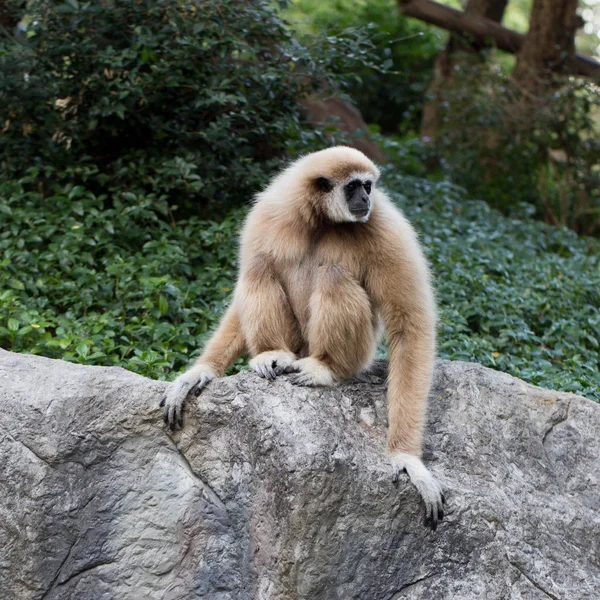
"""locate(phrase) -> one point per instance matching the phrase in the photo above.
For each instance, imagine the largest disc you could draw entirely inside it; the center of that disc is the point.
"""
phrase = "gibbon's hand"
(426, 485)
(272, 363)
(312, 372)
(194, 380)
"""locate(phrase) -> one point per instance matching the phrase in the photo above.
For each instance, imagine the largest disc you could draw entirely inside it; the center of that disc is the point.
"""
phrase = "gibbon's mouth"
(361, 212)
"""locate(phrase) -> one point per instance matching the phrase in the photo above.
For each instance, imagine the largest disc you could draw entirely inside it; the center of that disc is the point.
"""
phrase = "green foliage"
(112, 114)
(508, 147)
(192, 101)
(123, 286)
(514, 294)
(109, 286)
(391, 94)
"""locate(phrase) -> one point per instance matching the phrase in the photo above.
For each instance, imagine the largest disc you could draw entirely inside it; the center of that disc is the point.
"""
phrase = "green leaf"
(82, 350)
(16, 284)
(76, 192)
(163, 305)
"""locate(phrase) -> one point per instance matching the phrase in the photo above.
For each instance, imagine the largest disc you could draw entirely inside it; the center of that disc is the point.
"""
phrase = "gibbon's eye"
(353, 187)
(324, 184)
(367, 186)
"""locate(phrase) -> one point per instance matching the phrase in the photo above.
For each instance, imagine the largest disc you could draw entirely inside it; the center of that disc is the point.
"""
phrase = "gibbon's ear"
(323, 184)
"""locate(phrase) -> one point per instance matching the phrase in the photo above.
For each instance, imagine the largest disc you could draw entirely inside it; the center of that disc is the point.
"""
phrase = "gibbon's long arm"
(225, 345)
(400, 287)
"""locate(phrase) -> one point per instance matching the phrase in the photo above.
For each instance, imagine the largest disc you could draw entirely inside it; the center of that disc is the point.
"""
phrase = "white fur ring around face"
(172, 402)
(272, 363)
(426, 485)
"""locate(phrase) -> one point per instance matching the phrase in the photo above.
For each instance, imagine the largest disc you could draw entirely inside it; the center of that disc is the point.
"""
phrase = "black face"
(357, 196)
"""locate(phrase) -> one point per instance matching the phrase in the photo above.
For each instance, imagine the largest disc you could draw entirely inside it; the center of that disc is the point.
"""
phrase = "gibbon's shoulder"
(389, 217)
(392, 239)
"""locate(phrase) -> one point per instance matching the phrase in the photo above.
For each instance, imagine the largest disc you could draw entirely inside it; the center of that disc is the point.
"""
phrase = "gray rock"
(272, 491)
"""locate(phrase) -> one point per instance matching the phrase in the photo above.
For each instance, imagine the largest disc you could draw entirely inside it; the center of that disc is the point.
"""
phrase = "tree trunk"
(460, 51)
(550, 43)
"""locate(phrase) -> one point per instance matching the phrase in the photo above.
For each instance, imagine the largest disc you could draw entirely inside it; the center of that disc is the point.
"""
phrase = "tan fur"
(314, 285)
(317, 288)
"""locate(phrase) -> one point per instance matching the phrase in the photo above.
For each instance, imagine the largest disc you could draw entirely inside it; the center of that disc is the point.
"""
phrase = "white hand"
(195, 379)
(426, 485)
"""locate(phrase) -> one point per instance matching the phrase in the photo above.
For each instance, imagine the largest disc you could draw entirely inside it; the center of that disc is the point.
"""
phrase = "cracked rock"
(277, 492)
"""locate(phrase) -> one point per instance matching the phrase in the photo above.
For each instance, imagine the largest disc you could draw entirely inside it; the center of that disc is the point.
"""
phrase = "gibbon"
(324, 257)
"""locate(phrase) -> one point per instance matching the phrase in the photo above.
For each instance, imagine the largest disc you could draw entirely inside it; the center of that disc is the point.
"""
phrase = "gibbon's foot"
(311, 371)
(193, 380)
(426, 485)
(272, 363)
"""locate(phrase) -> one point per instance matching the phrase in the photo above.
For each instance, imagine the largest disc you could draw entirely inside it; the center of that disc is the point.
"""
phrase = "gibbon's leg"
(341, 330)
(267, 320)
(225, 345)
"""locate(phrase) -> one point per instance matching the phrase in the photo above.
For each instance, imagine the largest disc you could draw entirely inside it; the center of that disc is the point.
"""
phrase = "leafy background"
(122, 286)
(130, 146)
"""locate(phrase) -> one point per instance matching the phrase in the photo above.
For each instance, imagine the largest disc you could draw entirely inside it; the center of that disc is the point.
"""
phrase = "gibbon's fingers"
(197, 389)
(193, 380)
(426, 485)
(173, 413)
(266, 372)
(312, 371)
(301, 379)
(272, 363)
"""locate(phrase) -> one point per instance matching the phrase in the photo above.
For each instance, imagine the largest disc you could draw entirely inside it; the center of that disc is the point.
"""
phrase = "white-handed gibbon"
(324, 258)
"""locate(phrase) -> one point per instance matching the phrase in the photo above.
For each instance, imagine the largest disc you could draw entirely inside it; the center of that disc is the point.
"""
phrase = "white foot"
(272, 363)
(312, 372)
(426, 485)
(194, 379)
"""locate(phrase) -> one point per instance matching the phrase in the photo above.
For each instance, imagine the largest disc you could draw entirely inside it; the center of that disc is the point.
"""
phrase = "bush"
(109, 286)
(506, 147)
(390, 90)
(514, 294)
(122, 286)
(193, 101)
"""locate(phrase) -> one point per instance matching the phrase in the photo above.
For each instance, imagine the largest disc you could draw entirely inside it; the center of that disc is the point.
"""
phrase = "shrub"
(514, 294)
(109, 286)
(506, 147)
(389, 91)
(193, 101)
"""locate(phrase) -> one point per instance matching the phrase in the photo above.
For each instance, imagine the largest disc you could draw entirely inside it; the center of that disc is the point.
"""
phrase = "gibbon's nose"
(365, 198)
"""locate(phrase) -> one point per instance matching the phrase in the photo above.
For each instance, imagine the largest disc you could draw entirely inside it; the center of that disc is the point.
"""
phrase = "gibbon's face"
(348, 201)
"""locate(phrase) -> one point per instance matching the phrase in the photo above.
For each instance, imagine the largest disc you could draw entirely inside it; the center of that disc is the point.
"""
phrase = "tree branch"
(483, 29)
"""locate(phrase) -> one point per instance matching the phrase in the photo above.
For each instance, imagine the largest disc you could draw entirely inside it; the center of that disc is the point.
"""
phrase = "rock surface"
(276, 492)
(332, 112)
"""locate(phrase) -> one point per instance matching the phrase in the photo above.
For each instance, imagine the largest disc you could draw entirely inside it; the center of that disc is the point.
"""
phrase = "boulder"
(277, 492)
(332, 114)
